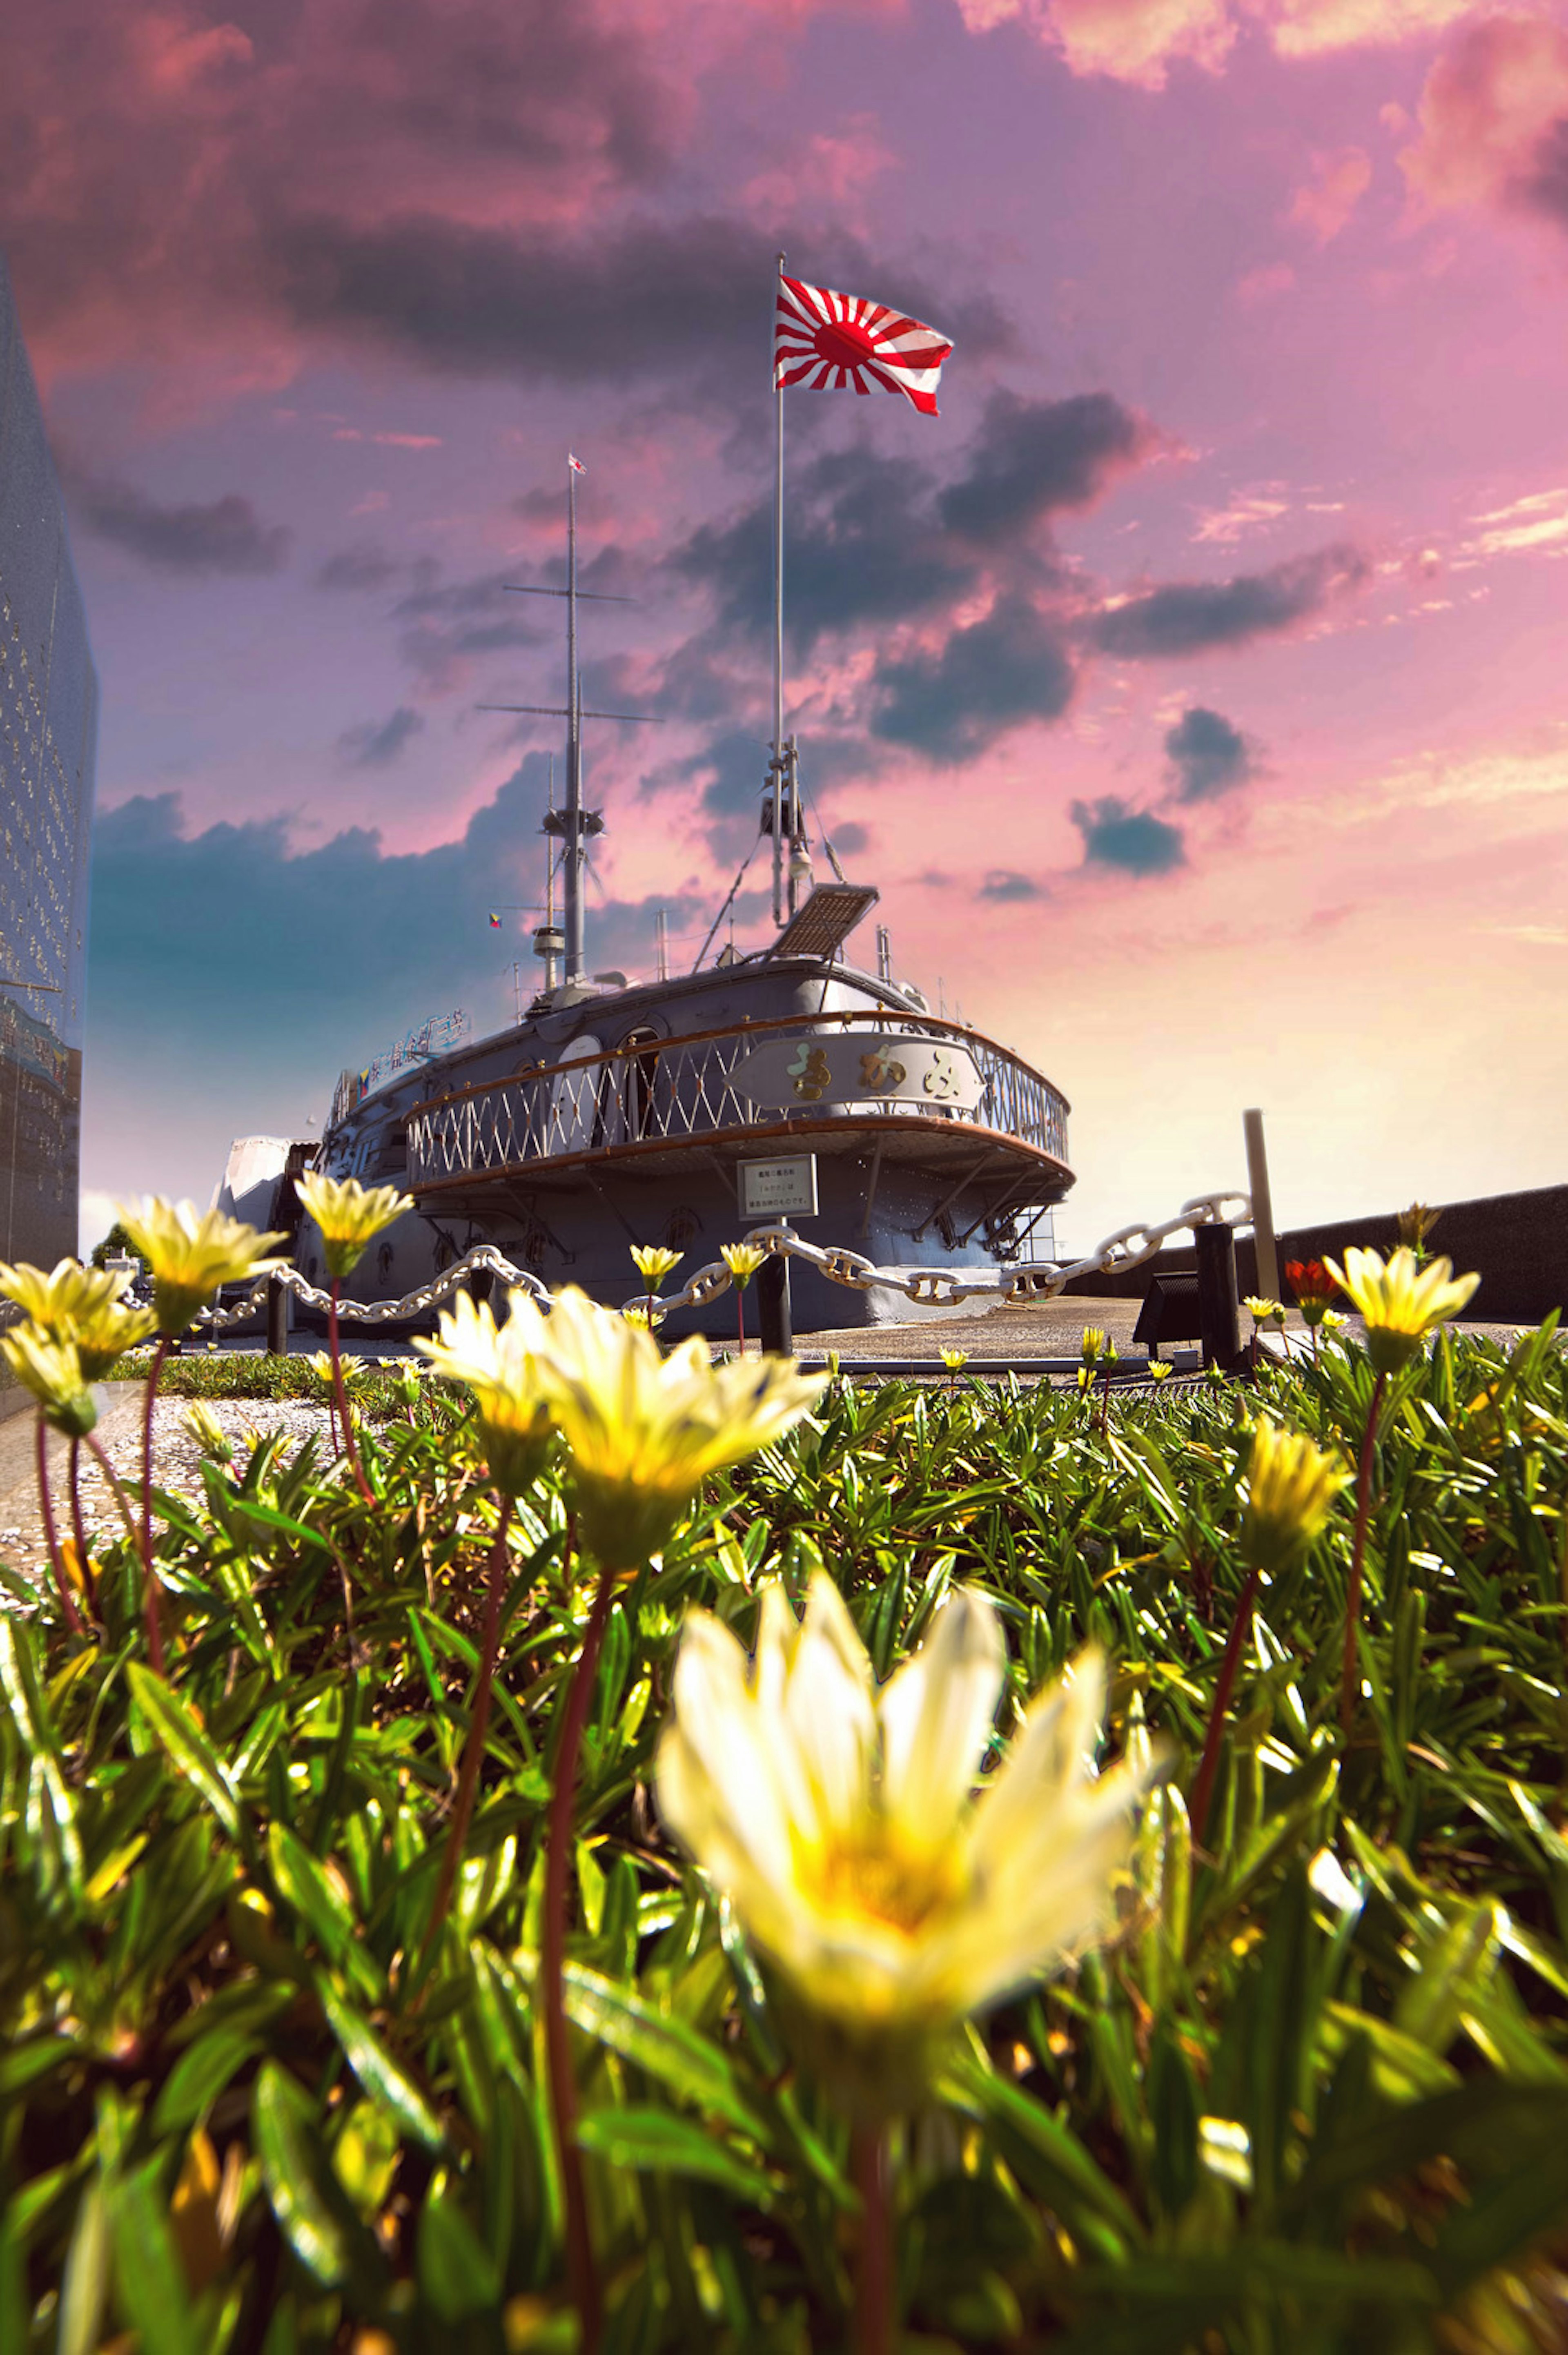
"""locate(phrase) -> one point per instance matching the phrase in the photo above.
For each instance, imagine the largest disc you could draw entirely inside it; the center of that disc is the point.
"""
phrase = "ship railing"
(673, 1089)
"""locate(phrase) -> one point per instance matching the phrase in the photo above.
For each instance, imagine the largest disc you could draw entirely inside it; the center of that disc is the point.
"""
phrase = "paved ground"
(1040, 1328)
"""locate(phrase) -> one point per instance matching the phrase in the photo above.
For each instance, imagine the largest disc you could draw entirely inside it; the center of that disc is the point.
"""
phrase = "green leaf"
(660, 2140)
(665, 2047)
(1042, 2151)
(84, 2286)
(377, 2070)
(187, 1746)
(149, 2281)
(27, 2063)
(297, 2178)
(457, 2275)
(253, 1509)
(200, 2076)
(308, 1891)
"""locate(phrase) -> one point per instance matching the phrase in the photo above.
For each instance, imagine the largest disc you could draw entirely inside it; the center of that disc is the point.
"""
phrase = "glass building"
(48, 728)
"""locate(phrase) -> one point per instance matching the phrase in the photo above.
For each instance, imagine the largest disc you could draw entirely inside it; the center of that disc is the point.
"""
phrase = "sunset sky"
(1195, 686)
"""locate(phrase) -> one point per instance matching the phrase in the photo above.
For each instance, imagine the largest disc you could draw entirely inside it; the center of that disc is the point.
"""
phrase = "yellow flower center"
(881, 1877)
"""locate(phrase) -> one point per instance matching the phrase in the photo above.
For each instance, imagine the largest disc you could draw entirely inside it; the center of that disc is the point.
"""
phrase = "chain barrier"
(927, 1287)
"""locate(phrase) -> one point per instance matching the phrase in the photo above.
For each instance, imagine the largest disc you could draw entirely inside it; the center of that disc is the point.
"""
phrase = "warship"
(684, 1110)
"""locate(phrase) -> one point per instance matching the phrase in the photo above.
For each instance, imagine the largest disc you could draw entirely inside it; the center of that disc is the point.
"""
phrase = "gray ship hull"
(619, 1115)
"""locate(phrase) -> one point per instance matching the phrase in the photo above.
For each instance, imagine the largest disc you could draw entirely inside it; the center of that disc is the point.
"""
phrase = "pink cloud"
(1323, 204)
(175, 190)
(1130, 40)
(1270, 279)
(1306, 28)
(1494, 120)
(832, 171)
(1136, 40)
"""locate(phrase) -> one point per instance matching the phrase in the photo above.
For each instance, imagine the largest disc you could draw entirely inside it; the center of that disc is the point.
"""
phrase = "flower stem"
(874, 2272)
(340, 1394)
(582, 2279)
(1358, 1554)
(118, 1485)
(46, 1508)
(149, 1570)
(78, 1531)
(478, 1724)
(1203, 1789)
(741, 1315)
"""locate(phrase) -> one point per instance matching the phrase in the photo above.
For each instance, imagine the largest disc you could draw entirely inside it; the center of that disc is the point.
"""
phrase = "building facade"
(49, 729)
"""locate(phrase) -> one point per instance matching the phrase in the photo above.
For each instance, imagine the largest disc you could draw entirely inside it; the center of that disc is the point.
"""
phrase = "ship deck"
(958, 1107)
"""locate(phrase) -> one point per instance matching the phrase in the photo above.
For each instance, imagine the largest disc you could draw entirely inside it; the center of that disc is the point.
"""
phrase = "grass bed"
(1314, 2097)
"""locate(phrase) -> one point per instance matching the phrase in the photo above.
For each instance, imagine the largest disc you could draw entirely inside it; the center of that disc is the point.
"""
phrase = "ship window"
(683, 1229)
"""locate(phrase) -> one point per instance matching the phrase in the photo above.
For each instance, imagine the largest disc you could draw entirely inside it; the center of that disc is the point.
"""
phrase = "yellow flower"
(1096, 1345)
(742, 1260)
(1264, 1311)
(1333, 1320)
(643, 1429)
(838, 1817)
(52, 1371)
(654, 1262)
(1401, 1302)
(207, 1433)
(189, 1256)
(348, 1216)
(105, 1334)
(56, 1301)
(80, 1305)
(1415, 1224)
(502, 1369)
(636, 1313)
(1159, 1369)
(1291, 1486)
(953, 1359)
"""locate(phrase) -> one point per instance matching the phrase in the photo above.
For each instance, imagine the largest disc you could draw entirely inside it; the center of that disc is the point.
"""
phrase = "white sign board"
(779, 1189)
(829, 1068)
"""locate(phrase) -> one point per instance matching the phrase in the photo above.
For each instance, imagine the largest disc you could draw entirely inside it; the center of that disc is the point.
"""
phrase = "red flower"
(1309, 1280)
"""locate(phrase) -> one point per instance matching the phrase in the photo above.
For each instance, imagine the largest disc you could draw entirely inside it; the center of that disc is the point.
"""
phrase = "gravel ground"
(176, 1460)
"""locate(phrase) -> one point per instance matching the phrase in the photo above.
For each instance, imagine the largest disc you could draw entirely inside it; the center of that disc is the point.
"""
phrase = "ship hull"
(625, 1117)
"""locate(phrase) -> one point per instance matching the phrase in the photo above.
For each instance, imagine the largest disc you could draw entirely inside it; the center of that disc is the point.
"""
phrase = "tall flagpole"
(778, 626)
(573, 895)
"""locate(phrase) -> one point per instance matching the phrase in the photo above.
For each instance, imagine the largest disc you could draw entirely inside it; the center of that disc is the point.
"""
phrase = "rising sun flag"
(828, 342)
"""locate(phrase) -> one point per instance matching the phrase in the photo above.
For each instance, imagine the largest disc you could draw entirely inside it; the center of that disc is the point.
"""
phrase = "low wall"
(1517, 1243)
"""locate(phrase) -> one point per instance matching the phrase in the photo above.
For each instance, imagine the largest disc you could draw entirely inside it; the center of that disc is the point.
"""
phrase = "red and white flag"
(575, 463)
(828, 341)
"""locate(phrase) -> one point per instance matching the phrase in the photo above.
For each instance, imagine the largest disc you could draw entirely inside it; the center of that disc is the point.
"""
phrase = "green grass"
(1313, 2097)
(378, 1391)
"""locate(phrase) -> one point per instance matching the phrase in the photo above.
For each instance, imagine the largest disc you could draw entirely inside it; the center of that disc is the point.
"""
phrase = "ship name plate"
(826, 1069)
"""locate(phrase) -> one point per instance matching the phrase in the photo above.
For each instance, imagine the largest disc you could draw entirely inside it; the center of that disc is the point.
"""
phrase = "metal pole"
(775, 1329)
(1262, 1208)
(573, 746)
(1218, 1309)
(278, 1298)
(778, 636)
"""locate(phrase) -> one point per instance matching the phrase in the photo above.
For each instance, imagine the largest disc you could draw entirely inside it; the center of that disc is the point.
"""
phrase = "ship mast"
(576, 855)
(572, 825)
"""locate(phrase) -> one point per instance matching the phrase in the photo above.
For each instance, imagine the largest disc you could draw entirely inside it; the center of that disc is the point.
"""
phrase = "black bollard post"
(774, 1327)
(1218, 1309)
(277, 1317)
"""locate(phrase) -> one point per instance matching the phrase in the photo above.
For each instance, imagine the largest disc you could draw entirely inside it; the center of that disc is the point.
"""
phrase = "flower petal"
(827, 1709)
(936, 1714)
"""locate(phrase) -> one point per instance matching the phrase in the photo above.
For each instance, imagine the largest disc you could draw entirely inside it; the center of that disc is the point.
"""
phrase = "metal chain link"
(928, 1287)
(485, 1259)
